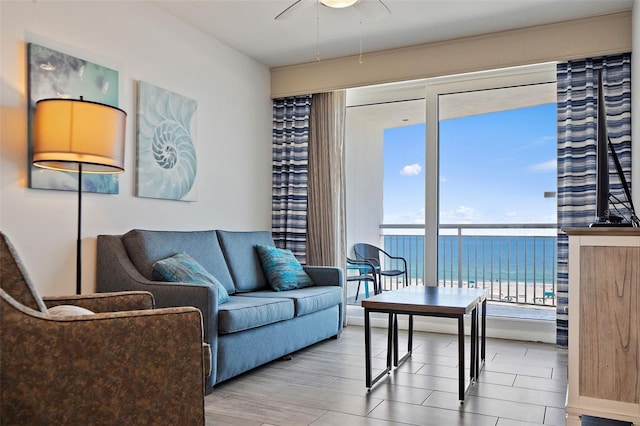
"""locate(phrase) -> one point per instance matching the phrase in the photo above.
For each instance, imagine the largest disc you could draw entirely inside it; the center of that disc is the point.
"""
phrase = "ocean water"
(477, 259)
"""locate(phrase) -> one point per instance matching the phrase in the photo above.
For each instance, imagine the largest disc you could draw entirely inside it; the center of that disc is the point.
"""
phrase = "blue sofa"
(257, 325)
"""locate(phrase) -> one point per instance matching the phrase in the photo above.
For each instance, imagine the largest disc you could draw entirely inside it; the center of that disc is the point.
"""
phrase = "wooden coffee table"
(428, 301)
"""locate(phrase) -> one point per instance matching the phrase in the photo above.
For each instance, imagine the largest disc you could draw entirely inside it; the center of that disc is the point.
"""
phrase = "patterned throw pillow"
(283, 270)
(182, 268)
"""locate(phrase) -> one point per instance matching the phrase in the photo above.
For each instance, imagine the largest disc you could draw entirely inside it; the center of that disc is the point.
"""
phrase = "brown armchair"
(126, 364)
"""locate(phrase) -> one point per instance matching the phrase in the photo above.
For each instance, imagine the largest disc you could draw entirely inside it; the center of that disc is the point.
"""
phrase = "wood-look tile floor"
(522, 384)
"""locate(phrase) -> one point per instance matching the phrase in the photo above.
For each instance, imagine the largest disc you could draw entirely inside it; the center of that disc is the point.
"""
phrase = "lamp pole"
(79, 241)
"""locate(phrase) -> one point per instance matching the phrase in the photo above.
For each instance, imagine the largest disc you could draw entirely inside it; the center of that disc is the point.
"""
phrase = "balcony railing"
(515, 262)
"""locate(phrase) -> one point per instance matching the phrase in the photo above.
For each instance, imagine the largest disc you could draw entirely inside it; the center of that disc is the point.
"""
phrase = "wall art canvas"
(167, 163)
(54, 74)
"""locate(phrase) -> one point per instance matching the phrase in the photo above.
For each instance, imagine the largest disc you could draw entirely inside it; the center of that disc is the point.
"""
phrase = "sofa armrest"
(129, 367)
(325, 275)
(208, 360)
(116, 273)
(106, 302)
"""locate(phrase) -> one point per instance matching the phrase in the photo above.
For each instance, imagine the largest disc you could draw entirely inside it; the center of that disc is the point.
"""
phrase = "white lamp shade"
(70, 132)
(339, 3)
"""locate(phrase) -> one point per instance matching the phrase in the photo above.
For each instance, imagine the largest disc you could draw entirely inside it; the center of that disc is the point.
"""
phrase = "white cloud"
(511, 214)
(415, 217)
(461, 214)
(443, 179)
(547, 139)
(411, 170)
(543, 140)
(547, 166)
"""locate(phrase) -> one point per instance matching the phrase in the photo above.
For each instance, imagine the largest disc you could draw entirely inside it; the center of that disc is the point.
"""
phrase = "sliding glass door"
(497, 185)
(493, 163)
(430, 159)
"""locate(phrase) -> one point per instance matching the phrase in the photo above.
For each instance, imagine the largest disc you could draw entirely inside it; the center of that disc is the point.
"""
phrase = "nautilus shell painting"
(167, 163)
(53, 74)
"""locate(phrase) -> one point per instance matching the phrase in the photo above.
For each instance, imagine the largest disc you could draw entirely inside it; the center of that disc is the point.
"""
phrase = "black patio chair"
(366, 272)
(377, 257)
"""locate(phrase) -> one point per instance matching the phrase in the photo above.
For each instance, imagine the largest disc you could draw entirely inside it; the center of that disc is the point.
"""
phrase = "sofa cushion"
(306, 300)
(282, 269)
(244, 265)
(182, 268)
(144, 248)
(243, 313)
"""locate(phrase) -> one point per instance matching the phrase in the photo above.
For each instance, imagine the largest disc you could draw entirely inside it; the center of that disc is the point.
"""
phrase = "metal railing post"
(459, 257)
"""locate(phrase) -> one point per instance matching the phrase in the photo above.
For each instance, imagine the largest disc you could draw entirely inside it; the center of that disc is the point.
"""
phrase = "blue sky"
(494, 168)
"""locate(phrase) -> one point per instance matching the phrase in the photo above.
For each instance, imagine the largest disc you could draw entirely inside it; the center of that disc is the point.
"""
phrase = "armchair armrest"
(325, 275)
(395, 257)
(106, 302)
(135, 367)
(362, 266)
(401, 259)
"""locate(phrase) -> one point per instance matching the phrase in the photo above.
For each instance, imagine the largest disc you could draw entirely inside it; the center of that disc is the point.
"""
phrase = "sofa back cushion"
(147, 247)
(242, 258)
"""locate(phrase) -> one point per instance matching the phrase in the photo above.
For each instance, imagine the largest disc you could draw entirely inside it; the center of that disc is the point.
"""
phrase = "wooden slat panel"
(609, 329)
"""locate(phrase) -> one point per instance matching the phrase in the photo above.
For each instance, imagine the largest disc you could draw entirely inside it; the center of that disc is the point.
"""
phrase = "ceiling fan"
(372, 9)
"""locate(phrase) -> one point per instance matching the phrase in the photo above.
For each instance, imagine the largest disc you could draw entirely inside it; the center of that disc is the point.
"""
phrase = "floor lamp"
(79, 136)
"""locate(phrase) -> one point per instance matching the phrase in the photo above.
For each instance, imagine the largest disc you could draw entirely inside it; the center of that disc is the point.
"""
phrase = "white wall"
(363, 178)
(371, 110)
(142, 43)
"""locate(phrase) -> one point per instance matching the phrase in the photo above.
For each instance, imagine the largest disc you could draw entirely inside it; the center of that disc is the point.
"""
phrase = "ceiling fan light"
(338, 3)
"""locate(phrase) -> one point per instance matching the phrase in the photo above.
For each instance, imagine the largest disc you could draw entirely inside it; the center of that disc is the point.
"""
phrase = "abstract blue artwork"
(54, 74)
(167, 161)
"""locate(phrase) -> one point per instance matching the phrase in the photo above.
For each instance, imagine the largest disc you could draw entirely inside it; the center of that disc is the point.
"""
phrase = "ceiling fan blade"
(293, 10)
(373, 9)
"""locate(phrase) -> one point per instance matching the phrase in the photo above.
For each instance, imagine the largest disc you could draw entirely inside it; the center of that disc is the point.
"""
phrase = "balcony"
(515, 262)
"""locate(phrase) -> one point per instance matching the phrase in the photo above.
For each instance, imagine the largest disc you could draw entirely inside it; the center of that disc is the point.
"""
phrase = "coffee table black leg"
(484, 331)
(395, 339)
(396, 357)
(461, 357)
(392, 330)
(367, 348)
(474, 345)
(369, 380)
(397, 361)
(410, 338)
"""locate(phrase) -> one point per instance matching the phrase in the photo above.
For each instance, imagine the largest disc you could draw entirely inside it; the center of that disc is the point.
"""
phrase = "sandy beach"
(515, 292)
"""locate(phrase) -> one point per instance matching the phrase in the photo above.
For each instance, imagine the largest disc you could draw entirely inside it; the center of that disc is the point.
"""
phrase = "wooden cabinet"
(604, 324)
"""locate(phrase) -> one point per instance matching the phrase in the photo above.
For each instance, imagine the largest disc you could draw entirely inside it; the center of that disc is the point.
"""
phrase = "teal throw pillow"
(283, 270)
(182, 268)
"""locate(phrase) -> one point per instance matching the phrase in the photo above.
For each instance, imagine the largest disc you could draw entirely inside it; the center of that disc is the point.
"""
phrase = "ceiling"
(319, 32)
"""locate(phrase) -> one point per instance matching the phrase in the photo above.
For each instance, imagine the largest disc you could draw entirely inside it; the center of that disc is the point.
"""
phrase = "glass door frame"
(519, 76)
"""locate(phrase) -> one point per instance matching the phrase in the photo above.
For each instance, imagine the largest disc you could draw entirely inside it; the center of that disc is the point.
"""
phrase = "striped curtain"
(289, 173)
(577, 135)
